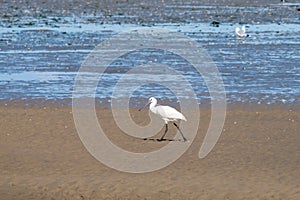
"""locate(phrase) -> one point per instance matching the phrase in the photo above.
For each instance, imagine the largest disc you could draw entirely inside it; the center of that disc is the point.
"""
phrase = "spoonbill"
(167, 113)
(241, 32)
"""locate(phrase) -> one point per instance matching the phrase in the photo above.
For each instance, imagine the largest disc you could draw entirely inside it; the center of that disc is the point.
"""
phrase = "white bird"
(167, 113)
(241, 32)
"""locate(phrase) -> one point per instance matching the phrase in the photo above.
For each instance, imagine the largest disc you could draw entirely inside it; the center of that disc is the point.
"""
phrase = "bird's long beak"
(145, 105)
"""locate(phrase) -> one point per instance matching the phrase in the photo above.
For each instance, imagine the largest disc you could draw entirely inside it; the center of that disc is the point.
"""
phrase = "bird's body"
(241, 32)
(167, 113)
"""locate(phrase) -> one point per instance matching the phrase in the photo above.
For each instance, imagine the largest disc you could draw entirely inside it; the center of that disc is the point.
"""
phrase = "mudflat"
(256, 157)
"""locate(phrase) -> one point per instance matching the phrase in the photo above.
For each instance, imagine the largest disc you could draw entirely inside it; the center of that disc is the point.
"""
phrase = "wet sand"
(32, 13)
(256, 157)
(42, 156)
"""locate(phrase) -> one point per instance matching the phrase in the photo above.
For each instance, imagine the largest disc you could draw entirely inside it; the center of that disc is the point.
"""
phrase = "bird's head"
(150, 100)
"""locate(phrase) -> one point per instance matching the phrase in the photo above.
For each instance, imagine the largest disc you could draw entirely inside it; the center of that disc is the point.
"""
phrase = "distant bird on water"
(167, 113)
(241, 32)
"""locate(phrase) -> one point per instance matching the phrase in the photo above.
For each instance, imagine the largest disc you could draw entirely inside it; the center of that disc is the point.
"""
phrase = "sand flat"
(256, 157)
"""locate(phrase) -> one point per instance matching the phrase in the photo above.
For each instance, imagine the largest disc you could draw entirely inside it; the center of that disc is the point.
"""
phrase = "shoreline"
(105, 104)
(257, 155)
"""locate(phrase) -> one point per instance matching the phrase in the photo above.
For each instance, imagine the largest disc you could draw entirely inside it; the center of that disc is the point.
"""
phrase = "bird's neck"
(152, 105)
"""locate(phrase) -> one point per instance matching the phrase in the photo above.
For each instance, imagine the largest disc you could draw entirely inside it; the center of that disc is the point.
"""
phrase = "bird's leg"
(184, 139)
(166, 130)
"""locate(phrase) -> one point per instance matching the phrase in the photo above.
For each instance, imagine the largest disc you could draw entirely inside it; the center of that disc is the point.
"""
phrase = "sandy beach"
(256, 157)
(43, 45)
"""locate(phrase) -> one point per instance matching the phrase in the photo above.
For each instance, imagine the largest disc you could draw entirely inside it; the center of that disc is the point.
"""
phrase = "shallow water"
(41, 62)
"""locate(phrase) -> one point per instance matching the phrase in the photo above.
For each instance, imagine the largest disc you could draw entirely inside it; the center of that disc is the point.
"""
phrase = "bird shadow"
(162, 140)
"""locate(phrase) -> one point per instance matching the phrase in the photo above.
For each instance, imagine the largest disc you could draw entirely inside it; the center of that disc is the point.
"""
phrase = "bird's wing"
(244, 29)
(169, 112)
(237, 30)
